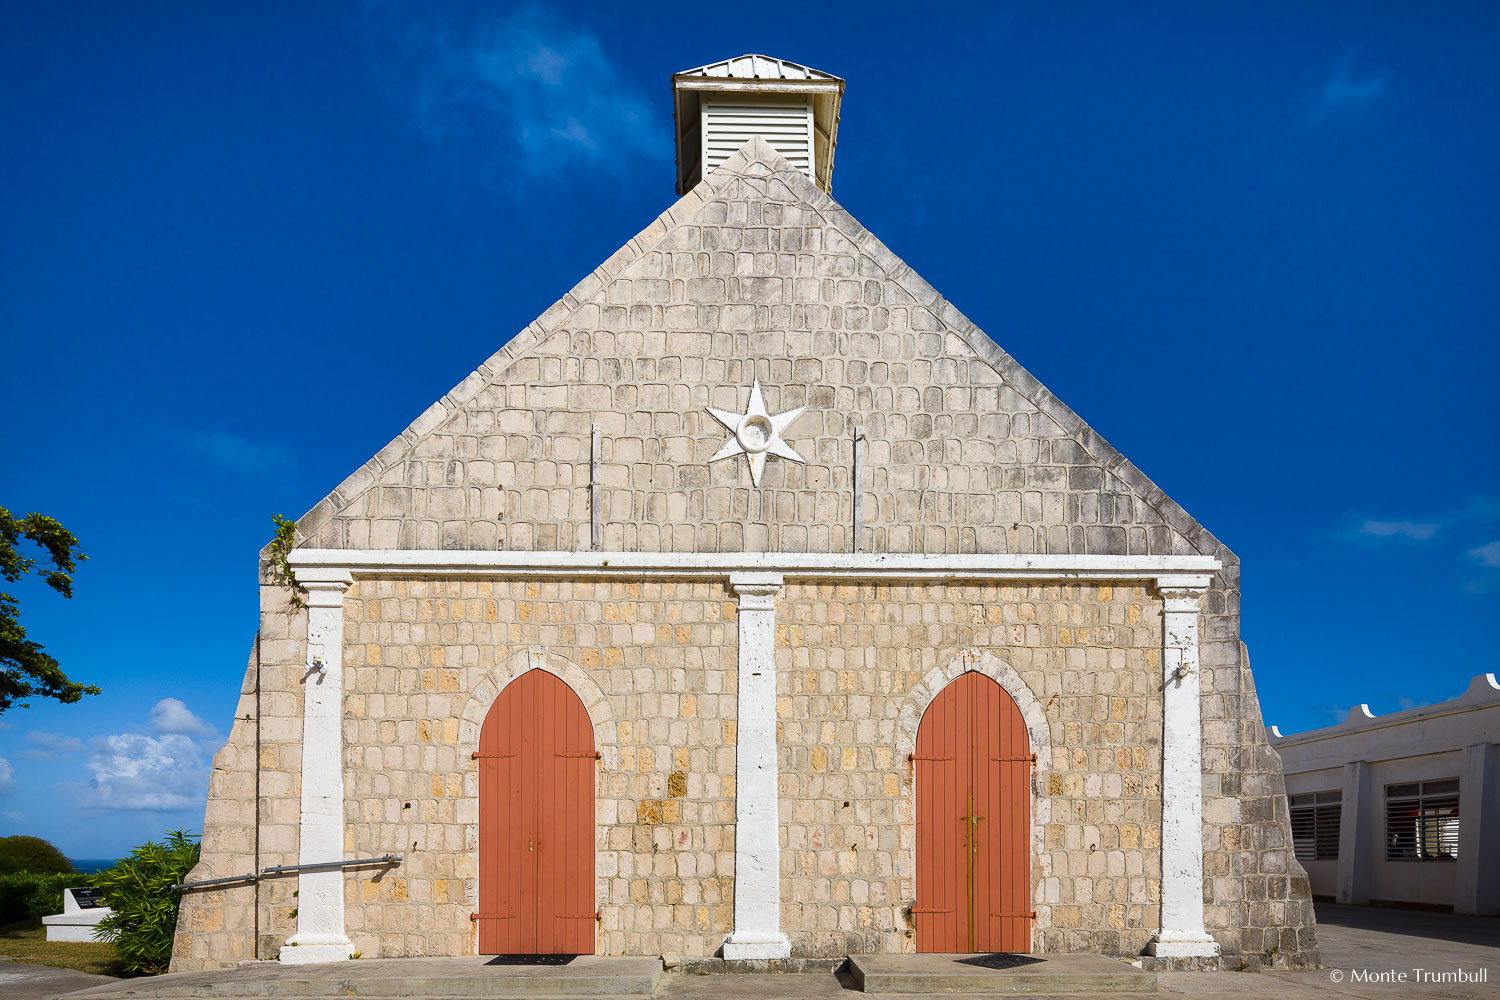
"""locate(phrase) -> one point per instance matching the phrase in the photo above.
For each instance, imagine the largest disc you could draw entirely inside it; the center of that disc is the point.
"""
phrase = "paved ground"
(1359, 942)
(1369, 954)
(39, 982)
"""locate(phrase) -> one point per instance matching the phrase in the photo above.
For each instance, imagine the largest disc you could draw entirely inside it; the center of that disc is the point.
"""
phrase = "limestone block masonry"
(468, 540)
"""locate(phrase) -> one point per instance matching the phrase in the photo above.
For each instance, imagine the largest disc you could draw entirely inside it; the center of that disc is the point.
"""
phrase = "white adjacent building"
(1401, 808)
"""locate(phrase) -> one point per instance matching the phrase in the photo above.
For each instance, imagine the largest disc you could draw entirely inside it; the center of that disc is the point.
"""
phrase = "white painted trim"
(1182, 934)
(757, 822)
(320, 933)
(1180, 571)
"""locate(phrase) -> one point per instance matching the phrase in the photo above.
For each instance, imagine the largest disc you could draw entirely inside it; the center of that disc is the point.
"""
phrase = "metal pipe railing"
(384, 859)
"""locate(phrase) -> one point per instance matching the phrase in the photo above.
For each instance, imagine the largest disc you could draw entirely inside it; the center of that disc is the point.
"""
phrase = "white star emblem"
(756, 433)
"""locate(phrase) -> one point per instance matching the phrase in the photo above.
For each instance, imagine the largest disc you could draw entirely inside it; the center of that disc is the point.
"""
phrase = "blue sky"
(1256, 246)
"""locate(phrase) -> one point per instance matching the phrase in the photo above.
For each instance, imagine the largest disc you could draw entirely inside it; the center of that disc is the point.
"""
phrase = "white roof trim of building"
(1178, 571)
(1483, 692)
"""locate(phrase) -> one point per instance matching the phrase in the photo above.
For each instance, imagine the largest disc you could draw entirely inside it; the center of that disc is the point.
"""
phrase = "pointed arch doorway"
(536, 821)
(973, 787)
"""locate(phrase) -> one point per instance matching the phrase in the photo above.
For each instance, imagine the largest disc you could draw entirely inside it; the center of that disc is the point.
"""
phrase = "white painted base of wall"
(1184, 946)
(757, 946)
(314, 954)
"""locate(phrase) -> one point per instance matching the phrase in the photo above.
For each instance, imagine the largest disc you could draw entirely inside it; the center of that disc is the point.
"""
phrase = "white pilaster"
(757, 839)
(1181, 934)
(320, 894)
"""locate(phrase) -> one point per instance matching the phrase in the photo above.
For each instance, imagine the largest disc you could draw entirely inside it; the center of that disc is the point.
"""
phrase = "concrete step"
(1030, 975)
(584, 976)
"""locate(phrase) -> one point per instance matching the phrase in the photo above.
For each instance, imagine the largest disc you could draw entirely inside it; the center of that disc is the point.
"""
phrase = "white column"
(1181, 934)
(320, 894)
(757, 834)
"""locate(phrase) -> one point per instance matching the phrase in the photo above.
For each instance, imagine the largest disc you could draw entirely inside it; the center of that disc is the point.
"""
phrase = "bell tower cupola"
(718, 107)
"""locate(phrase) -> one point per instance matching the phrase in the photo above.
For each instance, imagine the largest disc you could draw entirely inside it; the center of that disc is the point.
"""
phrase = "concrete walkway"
(1366, 953)
(19, 981)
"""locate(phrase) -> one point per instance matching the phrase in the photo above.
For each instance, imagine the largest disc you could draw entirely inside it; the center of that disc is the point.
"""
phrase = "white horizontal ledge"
(1176, 571)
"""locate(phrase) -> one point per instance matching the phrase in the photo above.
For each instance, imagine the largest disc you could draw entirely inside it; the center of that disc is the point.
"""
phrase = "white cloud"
(50, 746)
(138, 772)
(1346, 94)
(12, 816)
(1487, 555)
(7, 777)
(522, 90)
(171, 716)
(1415, 530)
(235, 453)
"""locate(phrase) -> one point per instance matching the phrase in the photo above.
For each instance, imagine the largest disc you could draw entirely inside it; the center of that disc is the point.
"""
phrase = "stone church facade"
(755, 637)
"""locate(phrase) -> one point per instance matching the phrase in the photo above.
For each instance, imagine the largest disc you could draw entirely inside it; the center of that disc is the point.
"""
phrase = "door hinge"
(1029, 758)
(596, 916)
(1029, 916)
(485, 754)
(923, 756)
(595, 754)
(492, 916)
(916, 909)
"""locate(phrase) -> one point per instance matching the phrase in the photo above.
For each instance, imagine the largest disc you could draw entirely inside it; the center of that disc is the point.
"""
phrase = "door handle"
(531, 845)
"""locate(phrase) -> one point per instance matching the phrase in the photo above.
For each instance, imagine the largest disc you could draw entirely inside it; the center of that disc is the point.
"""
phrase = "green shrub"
(31, 854)
(24, 895)
(139, 891)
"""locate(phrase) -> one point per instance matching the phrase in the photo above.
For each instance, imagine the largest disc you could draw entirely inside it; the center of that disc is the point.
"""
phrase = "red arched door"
(973, 774)
(536, 821)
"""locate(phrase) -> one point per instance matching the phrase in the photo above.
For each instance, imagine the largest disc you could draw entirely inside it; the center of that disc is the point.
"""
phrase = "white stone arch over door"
(1038, 732)
(471, 722)
(595, 701)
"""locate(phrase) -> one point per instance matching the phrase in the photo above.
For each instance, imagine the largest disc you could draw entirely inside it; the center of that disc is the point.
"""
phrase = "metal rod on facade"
(596, 517)
(854, 486)
(385, 859)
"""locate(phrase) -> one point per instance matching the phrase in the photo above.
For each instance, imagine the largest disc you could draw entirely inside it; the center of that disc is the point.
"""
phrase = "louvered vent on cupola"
(719, 107)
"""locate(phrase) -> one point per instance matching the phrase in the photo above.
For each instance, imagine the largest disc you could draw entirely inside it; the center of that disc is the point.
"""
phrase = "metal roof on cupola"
(718, 107)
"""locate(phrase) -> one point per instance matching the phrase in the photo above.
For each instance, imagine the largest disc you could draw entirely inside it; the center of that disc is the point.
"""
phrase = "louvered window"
(1421, 821)
(1315, 825)
(786, 125)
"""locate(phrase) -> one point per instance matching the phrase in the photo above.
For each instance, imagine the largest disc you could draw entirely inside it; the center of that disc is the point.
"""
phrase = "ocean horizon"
(88, 866)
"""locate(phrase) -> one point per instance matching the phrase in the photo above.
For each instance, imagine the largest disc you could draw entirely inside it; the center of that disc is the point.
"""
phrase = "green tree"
(31, 854)
(25, 667)
(139, 892)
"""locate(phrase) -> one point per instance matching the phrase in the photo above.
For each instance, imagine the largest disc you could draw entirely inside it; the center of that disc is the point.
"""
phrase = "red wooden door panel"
(973, 821)
(536, 821)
